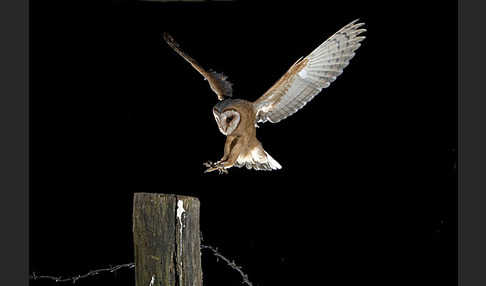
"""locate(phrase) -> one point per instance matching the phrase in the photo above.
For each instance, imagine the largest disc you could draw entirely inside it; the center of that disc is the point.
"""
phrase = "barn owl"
(237, 119)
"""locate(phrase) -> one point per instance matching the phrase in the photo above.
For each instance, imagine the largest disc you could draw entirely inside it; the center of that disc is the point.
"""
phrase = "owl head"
(227, 116)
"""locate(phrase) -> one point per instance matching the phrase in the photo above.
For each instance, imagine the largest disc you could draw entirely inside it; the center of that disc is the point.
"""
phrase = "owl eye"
(228, 120)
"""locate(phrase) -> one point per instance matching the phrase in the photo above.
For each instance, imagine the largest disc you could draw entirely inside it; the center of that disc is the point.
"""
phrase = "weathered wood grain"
(167, 240)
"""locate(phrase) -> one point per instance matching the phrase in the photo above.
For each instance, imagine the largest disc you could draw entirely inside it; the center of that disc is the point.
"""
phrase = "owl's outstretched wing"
(309, 75)
(217, 81)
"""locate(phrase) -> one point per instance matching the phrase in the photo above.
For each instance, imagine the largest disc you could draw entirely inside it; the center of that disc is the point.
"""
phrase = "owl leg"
(222, 166)
(228, 148)
(228, 160)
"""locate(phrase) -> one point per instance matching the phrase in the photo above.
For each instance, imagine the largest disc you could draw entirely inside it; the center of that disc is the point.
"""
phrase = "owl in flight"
(238, 118)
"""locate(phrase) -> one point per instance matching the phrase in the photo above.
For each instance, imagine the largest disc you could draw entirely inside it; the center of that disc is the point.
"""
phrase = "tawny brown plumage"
(238, 118)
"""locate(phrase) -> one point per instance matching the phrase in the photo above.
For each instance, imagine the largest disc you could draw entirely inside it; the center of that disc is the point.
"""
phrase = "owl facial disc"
(227, 121)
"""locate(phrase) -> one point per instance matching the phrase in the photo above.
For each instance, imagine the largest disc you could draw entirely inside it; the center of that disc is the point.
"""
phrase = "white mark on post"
(152, 281)
(180, 212)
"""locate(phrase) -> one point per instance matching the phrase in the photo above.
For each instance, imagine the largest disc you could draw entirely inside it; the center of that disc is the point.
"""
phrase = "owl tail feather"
(274, 165)
(258, 159)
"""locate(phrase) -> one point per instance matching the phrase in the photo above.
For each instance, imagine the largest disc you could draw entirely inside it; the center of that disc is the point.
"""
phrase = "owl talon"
(222, 170)
(215, 167)
(209, 164)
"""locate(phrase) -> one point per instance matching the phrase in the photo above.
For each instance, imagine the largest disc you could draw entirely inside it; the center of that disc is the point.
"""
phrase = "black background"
(368, 188)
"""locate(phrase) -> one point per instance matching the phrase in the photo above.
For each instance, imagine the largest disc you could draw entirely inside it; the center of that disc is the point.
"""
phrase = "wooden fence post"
(166, 239)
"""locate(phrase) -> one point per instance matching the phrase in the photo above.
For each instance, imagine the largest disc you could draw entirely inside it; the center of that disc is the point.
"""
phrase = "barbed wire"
(34, 276)
(74, 279)
(231, 264)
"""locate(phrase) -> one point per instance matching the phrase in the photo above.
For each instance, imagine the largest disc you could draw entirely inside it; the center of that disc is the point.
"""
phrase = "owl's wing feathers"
(309, 75)
(217, 81)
